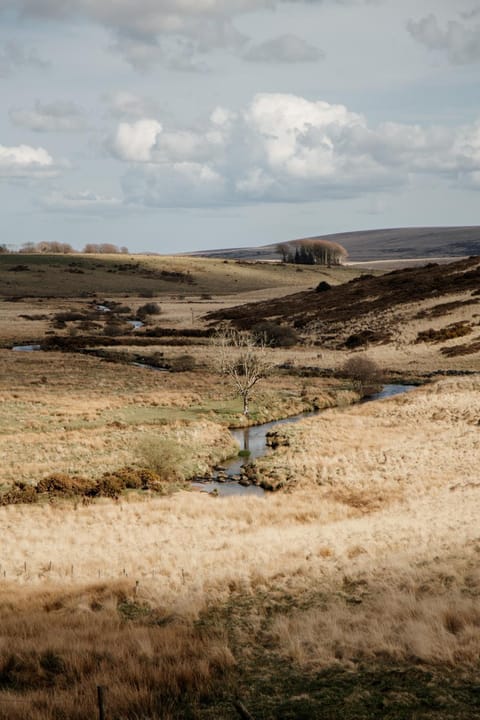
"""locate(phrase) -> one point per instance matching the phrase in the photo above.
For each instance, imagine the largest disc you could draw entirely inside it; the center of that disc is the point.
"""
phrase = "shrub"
(114, 329)
(276, 335)
(151, 308)
(449, 332)
(136, 478)
(157, 359)
(164, 456)
(19, 494)
(69, 316)
(364, 337)
(63, 484)
(109, 485)
(323, 286)
(364, 373)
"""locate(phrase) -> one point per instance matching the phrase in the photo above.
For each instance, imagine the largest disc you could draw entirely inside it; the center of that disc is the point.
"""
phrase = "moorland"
(352, 591)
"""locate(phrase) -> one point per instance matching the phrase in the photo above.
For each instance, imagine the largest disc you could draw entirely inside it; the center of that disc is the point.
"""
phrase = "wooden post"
(101, 702)
(242, 710)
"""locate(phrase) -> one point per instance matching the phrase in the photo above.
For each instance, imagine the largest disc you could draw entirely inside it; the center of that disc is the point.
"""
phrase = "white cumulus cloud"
(286, 148)
(135, 141)
(24, 161)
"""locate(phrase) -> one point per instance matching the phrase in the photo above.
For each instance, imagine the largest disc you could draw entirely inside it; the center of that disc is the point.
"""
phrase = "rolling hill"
(387, 244)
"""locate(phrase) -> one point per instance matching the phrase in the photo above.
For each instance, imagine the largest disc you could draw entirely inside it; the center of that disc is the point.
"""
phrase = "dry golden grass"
(80, 415)
(57, 647)
(380, 452)
(377, 564)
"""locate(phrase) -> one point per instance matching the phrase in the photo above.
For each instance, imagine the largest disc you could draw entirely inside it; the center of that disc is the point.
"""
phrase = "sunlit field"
(368, 558)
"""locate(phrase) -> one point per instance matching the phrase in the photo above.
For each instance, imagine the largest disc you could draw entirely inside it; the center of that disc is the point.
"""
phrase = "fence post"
(101, 702)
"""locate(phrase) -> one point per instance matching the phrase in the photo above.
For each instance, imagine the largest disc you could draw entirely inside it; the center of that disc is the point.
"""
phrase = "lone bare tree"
(243, 359)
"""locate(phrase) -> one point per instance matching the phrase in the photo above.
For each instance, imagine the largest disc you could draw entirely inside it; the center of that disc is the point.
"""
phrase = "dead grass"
(375, 454)
(58, 647)
(306, 580)
(80, 415)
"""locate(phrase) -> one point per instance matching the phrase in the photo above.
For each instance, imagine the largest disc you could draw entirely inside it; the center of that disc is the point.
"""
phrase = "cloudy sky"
(174, 125)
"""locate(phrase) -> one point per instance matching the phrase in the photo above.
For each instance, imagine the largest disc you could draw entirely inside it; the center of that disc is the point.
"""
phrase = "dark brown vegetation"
(465, 349)
(334, 314)
(275, 335)
(454, 330)
(110, 484)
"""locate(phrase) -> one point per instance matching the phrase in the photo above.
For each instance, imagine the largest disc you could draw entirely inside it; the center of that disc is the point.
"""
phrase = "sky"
(178, 125)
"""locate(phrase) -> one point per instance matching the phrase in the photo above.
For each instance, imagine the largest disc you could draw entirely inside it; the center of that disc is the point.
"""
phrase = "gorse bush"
(63, 484)
(449, 332)
(110, 484)
(19, 494)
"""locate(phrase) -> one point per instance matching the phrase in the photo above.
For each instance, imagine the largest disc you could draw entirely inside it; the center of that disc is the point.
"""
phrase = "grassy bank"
(82, 416)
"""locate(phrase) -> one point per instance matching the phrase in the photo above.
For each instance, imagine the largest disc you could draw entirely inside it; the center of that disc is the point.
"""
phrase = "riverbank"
(83, 416)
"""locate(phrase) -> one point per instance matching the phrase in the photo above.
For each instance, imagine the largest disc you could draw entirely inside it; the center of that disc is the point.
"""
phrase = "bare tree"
(243, 359)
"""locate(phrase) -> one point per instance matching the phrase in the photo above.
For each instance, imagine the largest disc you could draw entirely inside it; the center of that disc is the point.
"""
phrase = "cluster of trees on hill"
(53, 247)
(312, 252)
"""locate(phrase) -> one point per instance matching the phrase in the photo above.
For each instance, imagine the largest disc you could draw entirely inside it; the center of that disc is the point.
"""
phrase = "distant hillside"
(388, 244)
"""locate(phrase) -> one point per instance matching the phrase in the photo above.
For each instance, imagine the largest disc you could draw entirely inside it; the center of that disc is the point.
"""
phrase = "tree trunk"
(246, 409)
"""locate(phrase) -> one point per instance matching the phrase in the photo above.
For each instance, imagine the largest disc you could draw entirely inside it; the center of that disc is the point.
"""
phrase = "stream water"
(26, 348)
(253, 440)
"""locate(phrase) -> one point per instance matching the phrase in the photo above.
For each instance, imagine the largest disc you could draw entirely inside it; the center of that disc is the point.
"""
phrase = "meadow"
(350, 592)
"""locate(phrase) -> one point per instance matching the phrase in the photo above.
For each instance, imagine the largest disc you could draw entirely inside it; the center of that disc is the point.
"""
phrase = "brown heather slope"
(374, 309)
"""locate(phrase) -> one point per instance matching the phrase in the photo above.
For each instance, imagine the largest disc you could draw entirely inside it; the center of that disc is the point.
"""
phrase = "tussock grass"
(375, 454)
(58, 647)
(370, 556)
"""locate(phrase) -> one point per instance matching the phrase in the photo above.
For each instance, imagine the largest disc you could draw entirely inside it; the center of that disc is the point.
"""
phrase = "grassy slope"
(76, 275)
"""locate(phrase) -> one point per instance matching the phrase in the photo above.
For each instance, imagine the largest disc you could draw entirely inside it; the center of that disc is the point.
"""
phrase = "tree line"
(312, 252)
(60, 248)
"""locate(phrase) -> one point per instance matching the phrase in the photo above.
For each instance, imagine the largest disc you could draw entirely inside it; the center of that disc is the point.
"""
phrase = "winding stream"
(253, 439)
